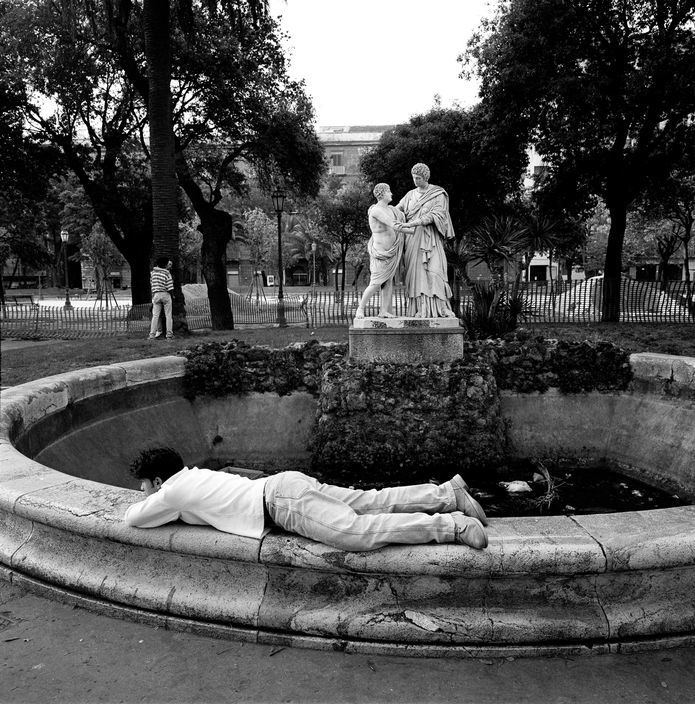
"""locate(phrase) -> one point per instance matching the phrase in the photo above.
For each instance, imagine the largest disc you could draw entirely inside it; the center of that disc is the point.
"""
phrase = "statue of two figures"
(415, 231)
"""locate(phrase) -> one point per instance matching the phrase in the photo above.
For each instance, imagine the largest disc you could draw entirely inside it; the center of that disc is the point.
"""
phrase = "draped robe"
(427, 288)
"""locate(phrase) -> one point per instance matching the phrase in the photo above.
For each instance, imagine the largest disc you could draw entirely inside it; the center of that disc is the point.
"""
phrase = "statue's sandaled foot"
(450, 314)
(359, 313)
(386, 315)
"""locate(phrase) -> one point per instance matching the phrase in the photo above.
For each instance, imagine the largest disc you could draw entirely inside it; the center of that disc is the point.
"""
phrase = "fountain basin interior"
(568, 584)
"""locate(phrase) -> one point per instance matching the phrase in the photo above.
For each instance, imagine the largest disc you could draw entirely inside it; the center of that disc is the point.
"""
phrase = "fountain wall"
(565, 584)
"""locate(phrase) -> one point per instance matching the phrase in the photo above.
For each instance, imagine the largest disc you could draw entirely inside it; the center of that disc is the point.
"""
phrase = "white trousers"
(161, 299)
(356, 520)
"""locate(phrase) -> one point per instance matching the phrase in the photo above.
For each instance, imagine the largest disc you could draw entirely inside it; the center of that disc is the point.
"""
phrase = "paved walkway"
(53, 653)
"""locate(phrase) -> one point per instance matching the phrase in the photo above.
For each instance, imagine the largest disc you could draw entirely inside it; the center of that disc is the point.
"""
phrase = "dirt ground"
(53, 653)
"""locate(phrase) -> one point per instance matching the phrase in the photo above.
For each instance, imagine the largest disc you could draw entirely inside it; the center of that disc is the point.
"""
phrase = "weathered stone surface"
(553, 545)
(164, 581)
(670, 375)
(406, 344)
(639, 540)
(115, 438)
(94, 381)
(640, 431)
(612, 581)
(648, 602)
(388, 423)
(15, 466)
(376, 323)
(455, 609)
(256, 428)
(24, 405)
(13, 491)
(143, 371)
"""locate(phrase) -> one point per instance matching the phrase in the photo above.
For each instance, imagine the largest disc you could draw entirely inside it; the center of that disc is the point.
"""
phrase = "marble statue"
(427, 225)
(385, 249)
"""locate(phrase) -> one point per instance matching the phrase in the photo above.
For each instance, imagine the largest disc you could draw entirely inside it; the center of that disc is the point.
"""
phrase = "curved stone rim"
(36, 500)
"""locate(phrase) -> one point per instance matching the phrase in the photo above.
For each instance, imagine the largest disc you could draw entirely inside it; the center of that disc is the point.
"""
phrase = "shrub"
(524, 363)
(234, 367)
(494, 310)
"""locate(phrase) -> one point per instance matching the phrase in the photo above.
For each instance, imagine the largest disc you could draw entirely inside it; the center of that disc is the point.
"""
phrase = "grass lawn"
(56, 356)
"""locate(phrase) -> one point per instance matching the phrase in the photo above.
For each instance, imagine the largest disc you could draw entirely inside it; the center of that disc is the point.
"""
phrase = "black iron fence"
(580, 302)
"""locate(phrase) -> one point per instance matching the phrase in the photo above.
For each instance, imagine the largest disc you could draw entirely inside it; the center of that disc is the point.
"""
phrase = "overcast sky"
(374, 62)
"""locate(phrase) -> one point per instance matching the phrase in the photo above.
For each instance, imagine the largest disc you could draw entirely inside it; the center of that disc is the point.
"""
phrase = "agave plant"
(494, 309)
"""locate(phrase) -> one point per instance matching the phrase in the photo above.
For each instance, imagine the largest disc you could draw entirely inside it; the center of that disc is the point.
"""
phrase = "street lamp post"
(313, 275)
(278, 196)
(65, 236)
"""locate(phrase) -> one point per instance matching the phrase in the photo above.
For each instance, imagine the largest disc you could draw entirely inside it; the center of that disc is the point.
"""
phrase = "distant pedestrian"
(162, 285)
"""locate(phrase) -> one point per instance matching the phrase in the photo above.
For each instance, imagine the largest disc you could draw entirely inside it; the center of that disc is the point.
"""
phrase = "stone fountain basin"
(563, 584)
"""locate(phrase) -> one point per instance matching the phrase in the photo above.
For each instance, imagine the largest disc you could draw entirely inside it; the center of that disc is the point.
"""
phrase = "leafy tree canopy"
(343, 217)
(79, 73)
(599, 86)
(595, 84)
(468, 156)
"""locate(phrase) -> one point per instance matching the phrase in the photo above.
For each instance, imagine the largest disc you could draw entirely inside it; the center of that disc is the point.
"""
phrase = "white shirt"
(228, 502)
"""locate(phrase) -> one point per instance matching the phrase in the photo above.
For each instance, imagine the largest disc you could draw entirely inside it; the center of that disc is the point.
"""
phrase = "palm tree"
(496, 241)
(165, 224)
(304, 242)
(542, 234)
(156, 22)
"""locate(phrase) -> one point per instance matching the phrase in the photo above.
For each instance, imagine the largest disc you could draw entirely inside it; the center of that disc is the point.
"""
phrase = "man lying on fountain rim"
(346, 519)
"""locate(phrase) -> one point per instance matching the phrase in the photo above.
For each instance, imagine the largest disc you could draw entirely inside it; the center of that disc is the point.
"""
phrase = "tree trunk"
(216, 228)
(16, 265)
(139, 279)
(663, 273)
(685, 239)
(165, 229)
(614, 259)
(358, 271)
(550, 275)
(343, 257)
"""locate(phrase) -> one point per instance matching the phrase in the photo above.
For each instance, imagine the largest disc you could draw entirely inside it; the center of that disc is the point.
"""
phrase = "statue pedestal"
(410, 340)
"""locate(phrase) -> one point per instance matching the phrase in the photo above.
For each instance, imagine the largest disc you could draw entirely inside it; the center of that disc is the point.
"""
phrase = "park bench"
(20, 299)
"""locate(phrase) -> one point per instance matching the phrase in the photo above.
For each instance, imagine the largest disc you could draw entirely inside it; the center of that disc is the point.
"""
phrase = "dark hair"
(162, 462)
(162, 262)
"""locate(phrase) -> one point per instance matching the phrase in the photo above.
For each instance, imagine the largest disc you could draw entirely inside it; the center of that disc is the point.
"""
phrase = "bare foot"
(359, 313)
(386, 315)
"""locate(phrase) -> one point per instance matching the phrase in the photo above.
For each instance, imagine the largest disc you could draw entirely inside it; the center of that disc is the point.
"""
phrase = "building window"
(337, 166)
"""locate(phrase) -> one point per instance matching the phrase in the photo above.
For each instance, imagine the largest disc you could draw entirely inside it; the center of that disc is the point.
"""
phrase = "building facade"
(345, 146)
